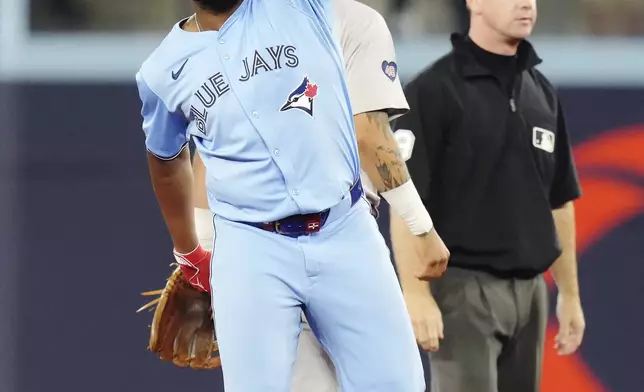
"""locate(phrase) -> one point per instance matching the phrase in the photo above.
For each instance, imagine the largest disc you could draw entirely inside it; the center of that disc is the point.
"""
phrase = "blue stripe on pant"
(344, 279)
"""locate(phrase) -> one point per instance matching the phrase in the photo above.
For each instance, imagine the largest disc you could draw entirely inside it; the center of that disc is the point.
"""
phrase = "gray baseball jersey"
(370, 65)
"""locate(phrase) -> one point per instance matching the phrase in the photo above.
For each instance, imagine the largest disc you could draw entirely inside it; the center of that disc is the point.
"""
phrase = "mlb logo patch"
(543, 139)
(390, 69)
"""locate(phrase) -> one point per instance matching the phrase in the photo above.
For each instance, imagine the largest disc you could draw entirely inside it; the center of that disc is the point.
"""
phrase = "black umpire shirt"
(491, 158)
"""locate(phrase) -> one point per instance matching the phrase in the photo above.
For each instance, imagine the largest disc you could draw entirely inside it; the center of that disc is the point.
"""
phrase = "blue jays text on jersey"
(215, 86)
(234, 94)
(276, 53)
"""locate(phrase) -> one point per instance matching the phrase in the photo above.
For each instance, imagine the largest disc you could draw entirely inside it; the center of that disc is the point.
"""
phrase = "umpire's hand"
(572, 324)
(433, 256)
(426, 319)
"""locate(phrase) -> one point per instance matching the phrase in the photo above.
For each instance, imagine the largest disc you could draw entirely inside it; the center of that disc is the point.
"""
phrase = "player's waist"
(306, 224)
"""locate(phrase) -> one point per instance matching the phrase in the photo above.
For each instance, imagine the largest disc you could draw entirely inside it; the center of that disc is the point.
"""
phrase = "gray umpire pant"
(494, 332)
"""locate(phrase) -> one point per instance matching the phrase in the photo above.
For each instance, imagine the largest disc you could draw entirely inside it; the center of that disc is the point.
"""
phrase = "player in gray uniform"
(376, 97)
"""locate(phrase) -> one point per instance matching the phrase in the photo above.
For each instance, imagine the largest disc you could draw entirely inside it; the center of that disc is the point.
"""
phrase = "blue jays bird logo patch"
(302, 98)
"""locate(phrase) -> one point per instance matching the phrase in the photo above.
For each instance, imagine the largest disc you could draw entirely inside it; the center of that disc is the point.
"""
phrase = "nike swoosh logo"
(175, 75)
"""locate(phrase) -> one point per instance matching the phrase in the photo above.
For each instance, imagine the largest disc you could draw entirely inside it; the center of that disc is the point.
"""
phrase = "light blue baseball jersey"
(266, 103)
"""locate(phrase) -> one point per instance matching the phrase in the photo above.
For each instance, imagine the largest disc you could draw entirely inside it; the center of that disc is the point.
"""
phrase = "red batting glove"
(196, 268)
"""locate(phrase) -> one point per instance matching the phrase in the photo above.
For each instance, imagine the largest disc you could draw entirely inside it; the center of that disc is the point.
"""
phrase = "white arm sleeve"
(205, 228)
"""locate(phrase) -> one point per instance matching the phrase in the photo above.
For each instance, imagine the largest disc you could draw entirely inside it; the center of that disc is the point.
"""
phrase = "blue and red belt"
(305, 224)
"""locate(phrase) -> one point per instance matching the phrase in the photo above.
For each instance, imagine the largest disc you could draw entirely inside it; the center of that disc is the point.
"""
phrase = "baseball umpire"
(492, 161)
(259, 86)
(377, 97)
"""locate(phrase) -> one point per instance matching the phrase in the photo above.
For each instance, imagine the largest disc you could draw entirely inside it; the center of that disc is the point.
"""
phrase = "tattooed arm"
(381, 159)
(379, 154)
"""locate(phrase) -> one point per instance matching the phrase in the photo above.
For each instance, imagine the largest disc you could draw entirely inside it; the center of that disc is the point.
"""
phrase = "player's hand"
(571, 324)
(196, 267)
(426, 318)
(433, 256)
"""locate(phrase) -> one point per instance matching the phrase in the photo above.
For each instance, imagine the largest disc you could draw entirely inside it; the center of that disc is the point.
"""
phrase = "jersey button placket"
(222, 49)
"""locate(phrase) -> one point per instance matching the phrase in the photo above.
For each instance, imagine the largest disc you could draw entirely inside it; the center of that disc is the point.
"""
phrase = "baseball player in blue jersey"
(259, 85)
(376, 97)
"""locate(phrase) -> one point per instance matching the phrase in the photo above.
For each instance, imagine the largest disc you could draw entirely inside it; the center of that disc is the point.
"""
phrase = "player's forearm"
(379, 152)
(380, 158)
(407, 262)
(564, 270)
(172, 182)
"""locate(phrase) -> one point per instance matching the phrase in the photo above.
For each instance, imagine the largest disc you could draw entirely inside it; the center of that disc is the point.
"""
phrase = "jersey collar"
(209, 33)
(471, 67)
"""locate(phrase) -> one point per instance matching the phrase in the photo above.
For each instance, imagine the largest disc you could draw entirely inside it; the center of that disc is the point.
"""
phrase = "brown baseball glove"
(182, 329)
